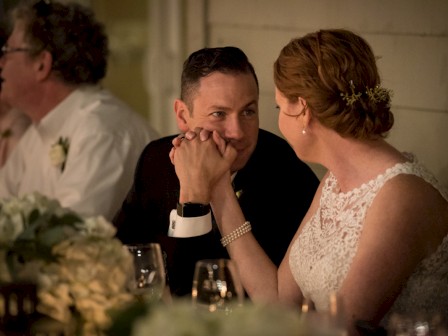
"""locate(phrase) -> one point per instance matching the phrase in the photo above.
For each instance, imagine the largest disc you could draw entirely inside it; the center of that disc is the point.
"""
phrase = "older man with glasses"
(84, 143)
(13, 123)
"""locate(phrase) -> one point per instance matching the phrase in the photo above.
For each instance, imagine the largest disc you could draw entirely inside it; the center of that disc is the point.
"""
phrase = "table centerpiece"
(181, 318)
(79, 268)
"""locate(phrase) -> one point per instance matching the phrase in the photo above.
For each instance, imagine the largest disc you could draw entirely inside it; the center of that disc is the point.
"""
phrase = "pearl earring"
(303, 131)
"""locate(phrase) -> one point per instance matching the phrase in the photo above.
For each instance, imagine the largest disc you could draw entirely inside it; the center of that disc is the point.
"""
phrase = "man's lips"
(239, 149)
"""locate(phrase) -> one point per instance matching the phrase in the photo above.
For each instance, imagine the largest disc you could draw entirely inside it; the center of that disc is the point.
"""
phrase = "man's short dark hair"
(201, 63)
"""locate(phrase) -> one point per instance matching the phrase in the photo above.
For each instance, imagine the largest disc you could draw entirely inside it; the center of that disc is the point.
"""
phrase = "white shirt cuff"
(186, 227)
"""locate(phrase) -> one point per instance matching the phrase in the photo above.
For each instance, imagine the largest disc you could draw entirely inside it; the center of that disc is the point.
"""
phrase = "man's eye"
(249, 113)
(218, 114)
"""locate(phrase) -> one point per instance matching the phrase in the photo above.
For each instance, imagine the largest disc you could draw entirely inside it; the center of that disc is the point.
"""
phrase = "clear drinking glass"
(148, 279)
(328, 322)
(217, 286)
(418, 324)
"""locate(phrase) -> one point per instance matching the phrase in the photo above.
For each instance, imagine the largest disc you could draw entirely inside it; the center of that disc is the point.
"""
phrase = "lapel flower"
(239, 193)
(59, 152)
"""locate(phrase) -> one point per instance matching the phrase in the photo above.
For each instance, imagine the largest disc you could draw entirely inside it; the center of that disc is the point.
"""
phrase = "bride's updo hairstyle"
(335, 72)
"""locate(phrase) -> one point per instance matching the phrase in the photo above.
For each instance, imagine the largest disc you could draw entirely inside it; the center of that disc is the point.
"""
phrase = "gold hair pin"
(351, 98)
(378, 94)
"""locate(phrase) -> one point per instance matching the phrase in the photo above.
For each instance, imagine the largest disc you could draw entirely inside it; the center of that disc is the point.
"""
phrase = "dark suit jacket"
(277, 189)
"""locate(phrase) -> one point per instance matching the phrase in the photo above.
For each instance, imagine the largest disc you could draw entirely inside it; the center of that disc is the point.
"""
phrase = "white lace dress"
(321, 256)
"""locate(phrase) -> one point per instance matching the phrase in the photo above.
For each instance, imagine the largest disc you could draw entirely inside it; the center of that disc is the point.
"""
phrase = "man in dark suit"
(219, 91)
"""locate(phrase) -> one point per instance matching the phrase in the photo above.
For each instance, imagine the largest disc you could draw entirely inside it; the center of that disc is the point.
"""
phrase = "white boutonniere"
(59, 152)
(239, 193)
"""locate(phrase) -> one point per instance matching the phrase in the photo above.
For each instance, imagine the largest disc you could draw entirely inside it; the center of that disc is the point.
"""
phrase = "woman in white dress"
(376, 232)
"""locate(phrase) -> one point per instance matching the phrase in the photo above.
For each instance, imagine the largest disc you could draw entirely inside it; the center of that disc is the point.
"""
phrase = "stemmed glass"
(148, 279)
(417, 323)
(328, 322)
(216, 286)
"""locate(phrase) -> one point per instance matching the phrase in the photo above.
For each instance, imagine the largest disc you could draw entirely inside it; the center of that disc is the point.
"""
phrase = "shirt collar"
(50, 126)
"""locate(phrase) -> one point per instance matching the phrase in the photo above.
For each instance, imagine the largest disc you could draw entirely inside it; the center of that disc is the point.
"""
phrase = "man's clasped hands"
(201, 158)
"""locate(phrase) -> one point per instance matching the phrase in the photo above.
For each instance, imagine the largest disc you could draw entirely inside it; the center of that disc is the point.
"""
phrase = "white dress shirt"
(13, 124)
(105, 141)
(187, 227)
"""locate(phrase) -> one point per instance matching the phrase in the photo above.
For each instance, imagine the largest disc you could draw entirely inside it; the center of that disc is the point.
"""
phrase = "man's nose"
(234, 129)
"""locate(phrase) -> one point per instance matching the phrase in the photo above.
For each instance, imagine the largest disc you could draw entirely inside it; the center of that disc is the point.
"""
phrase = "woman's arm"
(261, 278)
(405, 223)
(202, 164)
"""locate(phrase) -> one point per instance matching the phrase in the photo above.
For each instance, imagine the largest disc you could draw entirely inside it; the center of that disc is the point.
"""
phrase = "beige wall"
(410, 36)
(127, 29)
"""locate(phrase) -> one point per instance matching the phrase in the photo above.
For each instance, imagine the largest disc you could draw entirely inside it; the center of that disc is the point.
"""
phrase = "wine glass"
(148, 279)
(216, 286)
(328, 321)
(417, 323)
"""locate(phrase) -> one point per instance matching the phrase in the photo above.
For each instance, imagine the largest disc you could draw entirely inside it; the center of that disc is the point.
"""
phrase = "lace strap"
(417, 169)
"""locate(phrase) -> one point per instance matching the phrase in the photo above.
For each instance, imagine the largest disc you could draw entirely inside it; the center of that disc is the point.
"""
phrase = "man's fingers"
(220, 142)
(230, 153)
(190, 135)
(204, 135)
(171, 155)
(178, 140)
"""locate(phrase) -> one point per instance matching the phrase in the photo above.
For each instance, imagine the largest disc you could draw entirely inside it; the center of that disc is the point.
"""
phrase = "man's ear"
(182, 115)
(43, 65)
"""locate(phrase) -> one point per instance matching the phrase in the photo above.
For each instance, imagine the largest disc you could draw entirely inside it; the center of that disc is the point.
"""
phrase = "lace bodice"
(321, 256)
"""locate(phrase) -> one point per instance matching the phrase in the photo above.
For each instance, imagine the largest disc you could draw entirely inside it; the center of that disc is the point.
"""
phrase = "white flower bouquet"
(80, 269)
(181, 319)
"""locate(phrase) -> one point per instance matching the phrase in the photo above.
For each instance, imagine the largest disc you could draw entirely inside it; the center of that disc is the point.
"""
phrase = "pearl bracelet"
(235, 234)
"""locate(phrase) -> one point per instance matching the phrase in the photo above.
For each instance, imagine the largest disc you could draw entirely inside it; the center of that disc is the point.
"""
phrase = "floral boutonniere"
(239, 193)
(59, 152)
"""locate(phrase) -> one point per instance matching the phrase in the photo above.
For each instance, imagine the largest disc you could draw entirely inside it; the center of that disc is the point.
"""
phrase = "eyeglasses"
(7, 50)
(43, 9)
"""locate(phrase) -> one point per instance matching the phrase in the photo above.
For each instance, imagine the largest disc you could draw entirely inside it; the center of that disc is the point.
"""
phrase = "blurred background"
(150, 39)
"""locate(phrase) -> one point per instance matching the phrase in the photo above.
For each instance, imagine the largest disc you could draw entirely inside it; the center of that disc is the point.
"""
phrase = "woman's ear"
(182, 115)
(306, 113)
(302, 104)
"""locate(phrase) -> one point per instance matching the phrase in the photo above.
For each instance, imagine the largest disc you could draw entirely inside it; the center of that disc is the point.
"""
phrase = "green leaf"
(124, 319)
(34, 215)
